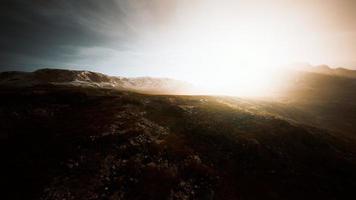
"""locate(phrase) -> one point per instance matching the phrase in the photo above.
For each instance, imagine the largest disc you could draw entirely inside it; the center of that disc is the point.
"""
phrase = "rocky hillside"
(93, 143)
(93, 79)
(84, 135)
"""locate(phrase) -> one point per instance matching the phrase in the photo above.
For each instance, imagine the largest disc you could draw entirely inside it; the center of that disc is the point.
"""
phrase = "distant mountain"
(93, 79)
(321, 93)
(325, 69)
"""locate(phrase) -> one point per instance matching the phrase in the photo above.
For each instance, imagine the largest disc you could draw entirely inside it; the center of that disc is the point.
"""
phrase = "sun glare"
(232, 54)
(244, 63)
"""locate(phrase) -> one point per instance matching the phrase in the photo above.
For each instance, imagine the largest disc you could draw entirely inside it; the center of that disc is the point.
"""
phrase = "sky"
(184, 39)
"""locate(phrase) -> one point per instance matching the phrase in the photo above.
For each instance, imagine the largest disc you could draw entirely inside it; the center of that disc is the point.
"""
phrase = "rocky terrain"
(93, 79)
(66, 141)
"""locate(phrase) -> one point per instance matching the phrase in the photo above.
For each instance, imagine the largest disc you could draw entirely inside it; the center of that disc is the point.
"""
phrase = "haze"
(220, 45)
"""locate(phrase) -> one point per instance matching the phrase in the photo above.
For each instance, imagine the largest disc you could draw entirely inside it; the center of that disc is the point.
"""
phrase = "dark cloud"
(50, 32)
(60, 33)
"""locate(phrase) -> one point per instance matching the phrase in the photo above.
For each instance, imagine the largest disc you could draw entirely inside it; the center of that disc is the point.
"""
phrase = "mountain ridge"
(327, 70)
(86, 78)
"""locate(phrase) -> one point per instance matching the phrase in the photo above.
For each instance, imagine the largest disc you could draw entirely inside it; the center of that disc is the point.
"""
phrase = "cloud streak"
(48, 32)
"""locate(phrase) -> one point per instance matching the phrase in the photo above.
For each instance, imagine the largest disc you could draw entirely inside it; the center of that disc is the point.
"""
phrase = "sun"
(241, 62)
(231, 54)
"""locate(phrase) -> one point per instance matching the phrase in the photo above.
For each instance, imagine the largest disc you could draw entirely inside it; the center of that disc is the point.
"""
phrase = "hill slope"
(94, 143)
(329, 99)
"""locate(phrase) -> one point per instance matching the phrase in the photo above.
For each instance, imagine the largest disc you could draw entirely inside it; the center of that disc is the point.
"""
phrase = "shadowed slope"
(88, 143)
